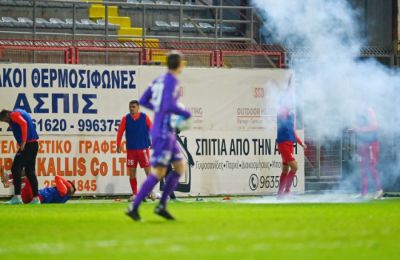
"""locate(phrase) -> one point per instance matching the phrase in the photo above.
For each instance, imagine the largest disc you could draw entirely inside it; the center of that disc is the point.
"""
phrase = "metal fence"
(203, 54)
(323, 159)
(185, 13)
(327, 162)
(110, 58)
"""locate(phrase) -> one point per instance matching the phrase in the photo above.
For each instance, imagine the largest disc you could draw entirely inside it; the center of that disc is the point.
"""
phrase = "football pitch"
(235, 229)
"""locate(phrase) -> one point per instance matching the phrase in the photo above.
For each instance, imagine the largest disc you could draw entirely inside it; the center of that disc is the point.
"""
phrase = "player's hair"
(72, 185)
(134, 102)
(4, 113)
(174, 59)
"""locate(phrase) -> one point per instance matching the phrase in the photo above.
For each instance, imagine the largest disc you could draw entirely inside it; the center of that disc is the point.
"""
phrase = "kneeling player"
(60, 193)
(286, 138)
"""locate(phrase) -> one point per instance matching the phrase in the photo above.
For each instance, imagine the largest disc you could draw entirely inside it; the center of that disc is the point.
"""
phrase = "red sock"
(375, 174)
(26, 192)
(133, 182)
(289, 181)
(282, 183)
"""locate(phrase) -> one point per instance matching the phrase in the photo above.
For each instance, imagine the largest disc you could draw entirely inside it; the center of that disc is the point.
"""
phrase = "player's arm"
(170, 103)
(149, 123)
(62, 185)
(121, 130)
(145, 100)
(372, 123)
(298, 139)
(17, 118)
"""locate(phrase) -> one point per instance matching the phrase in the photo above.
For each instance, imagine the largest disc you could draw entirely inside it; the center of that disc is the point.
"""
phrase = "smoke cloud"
(333, 84)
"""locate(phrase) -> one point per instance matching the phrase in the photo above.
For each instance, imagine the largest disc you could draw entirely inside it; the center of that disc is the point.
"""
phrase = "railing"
(144, 8)
(220, 54)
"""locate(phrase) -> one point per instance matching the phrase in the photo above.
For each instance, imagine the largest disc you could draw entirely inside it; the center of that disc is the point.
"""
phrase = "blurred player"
(286, 139)
(162, 96)
(26, 136)
(170, 169)
(60, 193)
(366, 130)
(136, 126)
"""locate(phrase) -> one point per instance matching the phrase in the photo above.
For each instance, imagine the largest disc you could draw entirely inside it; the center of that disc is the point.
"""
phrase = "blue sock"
(146, 188)
(170, 185)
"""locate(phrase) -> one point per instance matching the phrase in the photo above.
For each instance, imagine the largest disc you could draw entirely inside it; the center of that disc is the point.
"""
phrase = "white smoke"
(334, 84)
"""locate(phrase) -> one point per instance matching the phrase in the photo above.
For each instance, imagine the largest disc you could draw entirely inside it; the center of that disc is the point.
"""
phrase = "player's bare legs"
(368, 163)
(147, 171)
(132, 173)
(147, 186)
(292, 173)
(289, 170)
(133, 182)
(282, 179)
(158, 174)
(374, 152)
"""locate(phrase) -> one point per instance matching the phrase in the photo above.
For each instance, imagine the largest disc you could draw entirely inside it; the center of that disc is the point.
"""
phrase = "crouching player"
(162, 96)
(60, 193)
(286, 139)
(25, 134)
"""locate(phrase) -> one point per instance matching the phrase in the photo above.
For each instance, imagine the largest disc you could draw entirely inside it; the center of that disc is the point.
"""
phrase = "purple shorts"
(165, 151)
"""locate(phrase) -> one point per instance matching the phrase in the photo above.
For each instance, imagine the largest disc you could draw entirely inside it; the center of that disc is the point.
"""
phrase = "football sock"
(146, 188)
(289, 181)
(133, 182)
(170, 184)
(282, 183)
(375, 175)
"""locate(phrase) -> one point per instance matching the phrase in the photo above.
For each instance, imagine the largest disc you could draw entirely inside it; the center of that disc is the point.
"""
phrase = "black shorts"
(27, 158)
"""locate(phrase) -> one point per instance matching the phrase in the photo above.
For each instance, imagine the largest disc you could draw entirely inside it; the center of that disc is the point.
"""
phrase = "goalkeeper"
(162, 96)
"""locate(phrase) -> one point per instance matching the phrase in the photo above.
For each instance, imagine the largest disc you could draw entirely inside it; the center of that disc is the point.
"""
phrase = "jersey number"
(157, 91)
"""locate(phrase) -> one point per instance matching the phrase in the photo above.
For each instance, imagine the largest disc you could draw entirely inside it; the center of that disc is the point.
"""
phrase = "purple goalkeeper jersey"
(162, 96)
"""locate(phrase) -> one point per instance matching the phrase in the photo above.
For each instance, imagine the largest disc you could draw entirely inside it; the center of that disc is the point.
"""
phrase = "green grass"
(203, 230)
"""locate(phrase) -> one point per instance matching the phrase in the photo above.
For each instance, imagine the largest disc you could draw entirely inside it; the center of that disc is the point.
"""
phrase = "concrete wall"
(375, 17)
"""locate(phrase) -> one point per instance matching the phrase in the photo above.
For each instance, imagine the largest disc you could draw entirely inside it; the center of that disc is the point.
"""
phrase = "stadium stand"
(143, 22)
(54, 23)
(124, 16)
